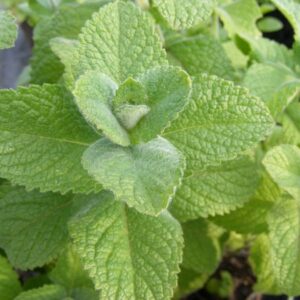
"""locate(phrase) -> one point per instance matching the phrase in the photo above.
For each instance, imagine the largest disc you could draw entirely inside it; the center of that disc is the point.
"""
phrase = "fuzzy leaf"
(93, 93)
(66, 22)
(128, 255)
(284, 227)
(215, 190)
(168, 90)
(276, 85)
(10, 286)
(33, 227)
(8, 30)
(283, 164)
(202, 54)
(145, 176)
(119, 41)
(42, 139)
(220, 122)
(182, 14)
(240, 16)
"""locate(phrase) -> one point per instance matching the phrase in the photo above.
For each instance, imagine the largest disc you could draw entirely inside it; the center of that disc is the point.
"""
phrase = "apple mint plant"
(152, 136)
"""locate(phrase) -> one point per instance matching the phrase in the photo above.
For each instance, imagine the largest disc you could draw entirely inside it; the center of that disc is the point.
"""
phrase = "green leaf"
(252, 216)
(69, 273)
(283, 164)
(202, 53)
(215, 190)
(47, 292)
(221, 121)
(145, 176)
(182, 14)
(93, 93)
(269, 24)
(119, 41)
(66, 23)
(42, 139)
(276, 85)
(239, 17)
(291, 10)
(8, 30)
(128, 255)
(262, 266)
(284, 234)
(202, 252)
(33, 227)
(168, 90)
(10, 286)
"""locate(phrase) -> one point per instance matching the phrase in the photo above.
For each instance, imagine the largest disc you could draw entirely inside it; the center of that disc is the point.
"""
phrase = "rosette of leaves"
(122, 139)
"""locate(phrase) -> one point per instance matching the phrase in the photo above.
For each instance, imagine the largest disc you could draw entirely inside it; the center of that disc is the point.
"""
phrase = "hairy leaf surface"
(8, 30)
(128, 255)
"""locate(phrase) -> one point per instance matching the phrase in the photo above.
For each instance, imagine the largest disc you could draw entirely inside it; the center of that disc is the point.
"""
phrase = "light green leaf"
(182, 14)
(240, 16)
(202, 252)
(269, 24)
(93, 93)
(145, 176)
(276, 85)
(119, 41)
(252, 217)
(262, 266)
(66, 22)
(221, 121)
(33, 227)
(47, 292)
(284, 234)
(168, 90)
(10, 286)
(215, 190)
(283, 164)
(202, 53)
(69, 273)
(291, 10)
(128, 255)
(42, 139)
(8, 30)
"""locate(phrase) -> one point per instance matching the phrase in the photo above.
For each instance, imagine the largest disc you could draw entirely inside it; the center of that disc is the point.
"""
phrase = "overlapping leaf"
(42, 139)
(128, 255)
(8, 30)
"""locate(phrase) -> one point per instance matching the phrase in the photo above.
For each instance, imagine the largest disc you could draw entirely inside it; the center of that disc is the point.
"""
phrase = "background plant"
(150, 139)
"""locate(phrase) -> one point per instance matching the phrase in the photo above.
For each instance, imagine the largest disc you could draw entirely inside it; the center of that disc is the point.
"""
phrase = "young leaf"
(240, 16)
(42, 139)
(284, 234)
(276, 85)
(93, 93)
(283, 164)
(220, 122)
(182, 14)
(66, 23)
(168, 90)
(10, 286)
(128, 255)
(202, 54)
(8, 30)
(145, 176)
(291, 10)
(201, 252)
(119, 41)
(262, 266)
(33, 227)
(215, 190)
(47, 292)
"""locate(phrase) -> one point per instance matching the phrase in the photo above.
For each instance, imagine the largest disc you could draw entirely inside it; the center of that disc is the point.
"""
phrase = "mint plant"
(153, 138)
